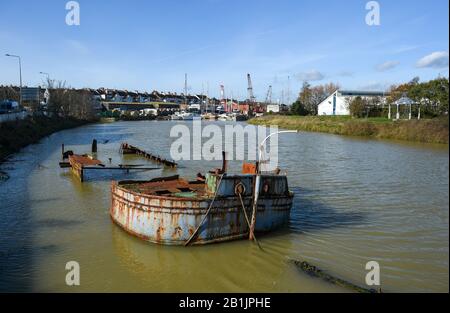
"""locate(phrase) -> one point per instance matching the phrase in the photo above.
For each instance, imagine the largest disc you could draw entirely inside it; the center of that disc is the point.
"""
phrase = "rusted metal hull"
(172, 221)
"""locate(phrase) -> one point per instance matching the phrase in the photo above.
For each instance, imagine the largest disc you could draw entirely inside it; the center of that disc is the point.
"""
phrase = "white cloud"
(387, 66)
(313, 75)
(437, 59)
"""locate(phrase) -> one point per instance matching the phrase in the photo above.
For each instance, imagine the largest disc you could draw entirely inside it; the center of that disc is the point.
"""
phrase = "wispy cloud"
(405, 48)
(437, 59)
(313, 75)
(388, 65)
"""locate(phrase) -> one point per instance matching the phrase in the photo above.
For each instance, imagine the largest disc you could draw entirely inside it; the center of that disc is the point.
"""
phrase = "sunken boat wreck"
(213, 208)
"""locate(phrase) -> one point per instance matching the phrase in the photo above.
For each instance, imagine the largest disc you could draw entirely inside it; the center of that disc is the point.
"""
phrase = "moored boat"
(214, 208)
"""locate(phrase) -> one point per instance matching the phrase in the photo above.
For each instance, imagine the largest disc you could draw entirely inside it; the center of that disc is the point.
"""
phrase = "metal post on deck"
(258, 181)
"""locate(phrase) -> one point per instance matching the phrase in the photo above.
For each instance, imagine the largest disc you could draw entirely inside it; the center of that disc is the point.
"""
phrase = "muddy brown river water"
(356, 200)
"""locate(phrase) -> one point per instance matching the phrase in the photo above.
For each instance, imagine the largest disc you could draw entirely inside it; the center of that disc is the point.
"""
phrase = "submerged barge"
(213, 208)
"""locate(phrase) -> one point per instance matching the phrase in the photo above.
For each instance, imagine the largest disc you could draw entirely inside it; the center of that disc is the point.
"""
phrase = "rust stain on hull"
(141, 209)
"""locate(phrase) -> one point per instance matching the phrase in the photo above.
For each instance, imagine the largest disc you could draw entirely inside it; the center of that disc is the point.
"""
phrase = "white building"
(274, 108)
(337, 103)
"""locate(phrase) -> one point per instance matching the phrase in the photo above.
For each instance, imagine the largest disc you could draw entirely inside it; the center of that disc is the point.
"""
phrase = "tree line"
(431, 97)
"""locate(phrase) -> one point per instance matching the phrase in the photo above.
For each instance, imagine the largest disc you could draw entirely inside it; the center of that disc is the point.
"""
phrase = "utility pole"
(289, 91)
(46, 74)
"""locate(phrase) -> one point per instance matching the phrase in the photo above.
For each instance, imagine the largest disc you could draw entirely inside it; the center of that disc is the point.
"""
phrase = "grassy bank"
(425, 130)
(15, 135)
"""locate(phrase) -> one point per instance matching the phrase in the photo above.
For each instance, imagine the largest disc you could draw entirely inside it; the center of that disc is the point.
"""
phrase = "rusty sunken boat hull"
(170, 211)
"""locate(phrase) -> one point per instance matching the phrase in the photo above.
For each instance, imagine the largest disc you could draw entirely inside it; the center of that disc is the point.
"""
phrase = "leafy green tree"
(358, 107)
(431, 97)
(299, 109)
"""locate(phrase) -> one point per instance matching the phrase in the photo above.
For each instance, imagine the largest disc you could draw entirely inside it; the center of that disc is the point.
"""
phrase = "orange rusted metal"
(83, 160)
(78, 162)
(248, 168)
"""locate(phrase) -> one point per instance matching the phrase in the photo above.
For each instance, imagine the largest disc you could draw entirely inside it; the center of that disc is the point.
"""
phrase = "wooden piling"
(94, 146)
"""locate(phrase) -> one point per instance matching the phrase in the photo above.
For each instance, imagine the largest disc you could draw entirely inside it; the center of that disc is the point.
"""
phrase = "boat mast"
(207, 96)
(185, 90)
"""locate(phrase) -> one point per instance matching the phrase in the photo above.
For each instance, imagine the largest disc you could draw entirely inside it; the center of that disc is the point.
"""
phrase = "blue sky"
(147, 45)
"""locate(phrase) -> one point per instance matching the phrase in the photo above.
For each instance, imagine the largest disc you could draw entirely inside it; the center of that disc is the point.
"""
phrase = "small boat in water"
(214, 208)
(176, 116)
(185, 116)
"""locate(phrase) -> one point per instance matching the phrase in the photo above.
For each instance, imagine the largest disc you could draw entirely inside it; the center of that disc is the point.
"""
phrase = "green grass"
(426, 130)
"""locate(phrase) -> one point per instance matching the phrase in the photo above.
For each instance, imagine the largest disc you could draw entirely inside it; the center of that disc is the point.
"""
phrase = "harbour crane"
(269, 95)
(251, 97)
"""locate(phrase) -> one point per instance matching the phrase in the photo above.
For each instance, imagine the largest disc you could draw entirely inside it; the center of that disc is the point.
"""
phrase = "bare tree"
(68, 102)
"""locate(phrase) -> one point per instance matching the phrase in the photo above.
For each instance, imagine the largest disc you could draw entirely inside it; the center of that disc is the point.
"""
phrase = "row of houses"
(118, 95)
(112, 99)
(125, 100)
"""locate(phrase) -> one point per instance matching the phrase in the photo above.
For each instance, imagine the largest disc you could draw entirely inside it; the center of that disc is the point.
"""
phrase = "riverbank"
(425, 130)
(15, 135)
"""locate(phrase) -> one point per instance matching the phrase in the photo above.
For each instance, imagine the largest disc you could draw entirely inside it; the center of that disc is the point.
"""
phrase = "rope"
(207, 212)
(248, 221)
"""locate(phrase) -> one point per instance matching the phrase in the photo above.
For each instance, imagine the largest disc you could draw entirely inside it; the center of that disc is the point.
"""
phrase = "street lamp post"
(46, 74)
(20, 74)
